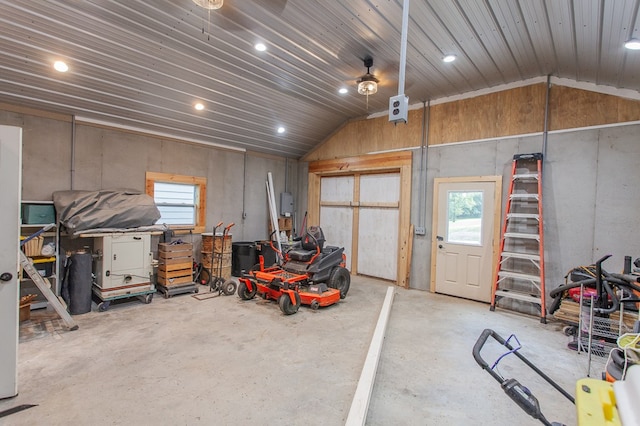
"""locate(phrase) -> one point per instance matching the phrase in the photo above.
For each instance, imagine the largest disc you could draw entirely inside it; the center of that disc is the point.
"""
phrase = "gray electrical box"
(286, 204)
(398, 108)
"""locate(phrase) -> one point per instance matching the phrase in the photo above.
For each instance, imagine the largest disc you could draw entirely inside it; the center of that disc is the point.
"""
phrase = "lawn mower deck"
(315, 278)
(274, 282)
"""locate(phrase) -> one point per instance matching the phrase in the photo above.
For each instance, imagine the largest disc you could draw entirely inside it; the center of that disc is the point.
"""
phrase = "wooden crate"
(284, 224)
(171, 278)
(169, 251)
(175, 264)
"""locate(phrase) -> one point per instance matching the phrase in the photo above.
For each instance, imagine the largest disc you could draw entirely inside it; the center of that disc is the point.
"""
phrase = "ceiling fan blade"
(274, 6)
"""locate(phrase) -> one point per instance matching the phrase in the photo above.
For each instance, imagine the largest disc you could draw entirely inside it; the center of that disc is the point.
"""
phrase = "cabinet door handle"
(137, 238)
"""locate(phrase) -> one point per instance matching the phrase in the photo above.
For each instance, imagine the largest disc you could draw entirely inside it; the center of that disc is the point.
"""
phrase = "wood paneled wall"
(363, 136)
(510, 112)
(574, 108)
(515, 111)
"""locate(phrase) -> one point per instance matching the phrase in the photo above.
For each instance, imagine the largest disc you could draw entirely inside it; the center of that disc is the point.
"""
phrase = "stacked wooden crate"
(175, 264)
(214, 247)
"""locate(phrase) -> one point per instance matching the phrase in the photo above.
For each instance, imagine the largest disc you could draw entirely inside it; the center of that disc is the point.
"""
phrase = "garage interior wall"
(107, 158)
(591, 178)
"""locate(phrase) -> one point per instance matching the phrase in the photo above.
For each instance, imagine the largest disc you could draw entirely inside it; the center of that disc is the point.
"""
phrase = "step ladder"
(520, 270)
(45, 287)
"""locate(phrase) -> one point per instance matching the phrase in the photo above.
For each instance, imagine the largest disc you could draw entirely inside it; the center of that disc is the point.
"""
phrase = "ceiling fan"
(368, 83)
(233, 15)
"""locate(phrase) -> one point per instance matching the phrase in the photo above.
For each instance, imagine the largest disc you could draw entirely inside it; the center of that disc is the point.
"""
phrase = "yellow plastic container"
(596, 403)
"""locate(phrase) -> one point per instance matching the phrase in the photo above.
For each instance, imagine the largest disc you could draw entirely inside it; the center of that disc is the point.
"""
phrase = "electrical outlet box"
(398, 108)
(420, 230)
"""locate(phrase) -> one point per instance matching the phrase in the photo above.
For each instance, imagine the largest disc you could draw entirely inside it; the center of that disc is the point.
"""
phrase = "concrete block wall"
(111, 159)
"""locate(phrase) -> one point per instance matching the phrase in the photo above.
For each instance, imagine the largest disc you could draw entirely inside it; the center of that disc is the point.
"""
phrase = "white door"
(10, 173)
(466, 218)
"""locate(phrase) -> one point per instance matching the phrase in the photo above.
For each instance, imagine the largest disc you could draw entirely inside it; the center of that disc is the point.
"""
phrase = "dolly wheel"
(288, 308)
(229, 287)
(205, 277)
(148, 298)
(340, 279)
(244, 293)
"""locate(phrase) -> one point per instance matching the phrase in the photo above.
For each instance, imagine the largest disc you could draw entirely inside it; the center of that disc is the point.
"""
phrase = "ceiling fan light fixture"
(209, 4)
(633, 44)
(367, 85)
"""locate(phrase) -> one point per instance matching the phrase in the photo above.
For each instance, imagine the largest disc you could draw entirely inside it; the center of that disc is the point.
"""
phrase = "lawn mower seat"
(312, 239)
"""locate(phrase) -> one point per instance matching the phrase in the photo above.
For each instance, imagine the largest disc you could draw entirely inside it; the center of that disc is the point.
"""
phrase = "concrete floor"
(224, 361)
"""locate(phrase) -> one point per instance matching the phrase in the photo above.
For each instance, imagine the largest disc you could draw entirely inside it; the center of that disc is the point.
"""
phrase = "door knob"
(6, 276)
(440, 246)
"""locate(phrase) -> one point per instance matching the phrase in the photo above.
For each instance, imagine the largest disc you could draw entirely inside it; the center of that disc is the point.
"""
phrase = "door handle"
(6, 276)
(440, 246)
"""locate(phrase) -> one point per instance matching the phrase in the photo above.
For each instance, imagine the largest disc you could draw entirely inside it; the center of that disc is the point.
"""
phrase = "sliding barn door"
(336, 212)
(361, 213)
(378, 220)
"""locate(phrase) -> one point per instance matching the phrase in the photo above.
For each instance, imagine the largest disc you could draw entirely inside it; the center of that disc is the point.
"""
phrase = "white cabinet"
(123, 264)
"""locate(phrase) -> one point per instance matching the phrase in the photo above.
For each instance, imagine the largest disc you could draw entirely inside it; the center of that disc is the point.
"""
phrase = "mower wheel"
(244, 293)
(314, 305)
(288, 308)
(340, 279)
(229, 287)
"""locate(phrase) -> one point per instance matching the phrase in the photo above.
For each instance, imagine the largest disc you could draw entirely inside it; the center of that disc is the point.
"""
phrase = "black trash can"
(80, 283)
(243, 257)
(264, 249)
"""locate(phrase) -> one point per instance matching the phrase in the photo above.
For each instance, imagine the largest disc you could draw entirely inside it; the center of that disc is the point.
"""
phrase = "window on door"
(180, 199)
(464, 224)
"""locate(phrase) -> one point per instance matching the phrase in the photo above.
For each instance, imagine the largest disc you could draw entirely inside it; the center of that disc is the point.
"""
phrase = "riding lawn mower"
(307, 273)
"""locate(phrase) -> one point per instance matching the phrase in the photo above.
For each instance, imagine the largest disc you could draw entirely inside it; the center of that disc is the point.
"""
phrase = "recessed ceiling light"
(60, 66)
(449, 58)
(199, 106)
(281, 129)
(343, 90)
(633, 44)
(260, 47)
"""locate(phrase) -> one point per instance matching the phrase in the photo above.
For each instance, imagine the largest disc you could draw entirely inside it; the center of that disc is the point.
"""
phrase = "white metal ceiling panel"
(144, 64)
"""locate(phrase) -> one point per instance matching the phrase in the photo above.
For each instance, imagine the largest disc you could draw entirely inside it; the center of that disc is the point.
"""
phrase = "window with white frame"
(176, 202)
(180, 199)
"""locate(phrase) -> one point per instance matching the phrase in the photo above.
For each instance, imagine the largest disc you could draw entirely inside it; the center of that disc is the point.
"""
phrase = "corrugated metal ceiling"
(143, 64)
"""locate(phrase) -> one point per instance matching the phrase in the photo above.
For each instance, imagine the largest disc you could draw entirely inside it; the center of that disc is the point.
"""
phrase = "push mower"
(309, 274)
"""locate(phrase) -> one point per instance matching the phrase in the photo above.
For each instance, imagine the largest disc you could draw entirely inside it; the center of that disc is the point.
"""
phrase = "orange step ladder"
(520, 270)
